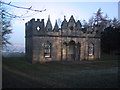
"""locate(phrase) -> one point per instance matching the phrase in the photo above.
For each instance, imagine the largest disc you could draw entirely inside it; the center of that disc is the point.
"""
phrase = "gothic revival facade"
(71, 42)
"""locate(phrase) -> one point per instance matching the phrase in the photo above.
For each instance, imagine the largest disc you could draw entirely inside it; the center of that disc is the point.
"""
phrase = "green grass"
(18, 73)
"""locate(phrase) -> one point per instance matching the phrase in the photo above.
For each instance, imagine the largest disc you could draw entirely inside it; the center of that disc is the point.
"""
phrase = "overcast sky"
(57, 10)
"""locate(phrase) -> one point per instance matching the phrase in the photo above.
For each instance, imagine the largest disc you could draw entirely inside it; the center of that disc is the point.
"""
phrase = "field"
(103, 73)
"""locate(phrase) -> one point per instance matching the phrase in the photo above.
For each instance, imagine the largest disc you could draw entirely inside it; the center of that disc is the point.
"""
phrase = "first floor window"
(47, 48)
(91, 49)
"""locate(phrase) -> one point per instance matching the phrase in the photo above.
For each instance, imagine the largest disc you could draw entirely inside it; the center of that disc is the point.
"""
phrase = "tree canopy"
(110, 31)
(6, 27)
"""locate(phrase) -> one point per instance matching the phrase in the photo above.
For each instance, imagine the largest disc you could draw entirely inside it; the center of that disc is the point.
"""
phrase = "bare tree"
(98, 17)
(98, 20)
(23, 8)
(85, 24)
(6, 27)
(115, 23)
(6, 18)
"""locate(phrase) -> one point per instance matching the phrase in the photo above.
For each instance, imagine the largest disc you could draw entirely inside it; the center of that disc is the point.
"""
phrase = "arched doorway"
(71, 51)
(78, 50)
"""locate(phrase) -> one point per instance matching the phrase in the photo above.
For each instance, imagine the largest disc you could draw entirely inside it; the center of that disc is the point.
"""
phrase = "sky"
(57, 10)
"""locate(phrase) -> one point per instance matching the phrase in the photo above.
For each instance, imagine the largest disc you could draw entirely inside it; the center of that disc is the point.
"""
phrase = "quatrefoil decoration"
(38, 28)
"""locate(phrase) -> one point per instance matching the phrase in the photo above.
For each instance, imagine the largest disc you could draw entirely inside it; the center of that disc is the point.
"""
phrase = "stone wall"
(56, 50)
(37, 34)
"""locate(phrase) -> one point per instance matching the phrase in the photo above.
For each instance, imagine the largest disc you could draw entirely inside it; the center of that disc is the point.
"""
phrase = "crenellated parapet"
(68, 28)
(35, 27)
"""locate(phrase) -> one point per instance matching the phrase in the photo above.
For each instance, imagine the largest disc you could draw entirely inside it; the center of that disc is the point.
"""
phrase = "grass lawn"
(18, 73)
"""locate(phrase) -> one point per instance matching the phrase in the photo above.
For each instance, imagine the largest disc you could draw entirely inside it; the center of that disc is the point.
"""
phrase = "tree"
(6, 27)
(98, 20)
(111, 36)
(110, 39)
(115, 23)
(98, 17)
(110, 29)
(85, 26)
(7, 17)
(91, 21)
(25, 15)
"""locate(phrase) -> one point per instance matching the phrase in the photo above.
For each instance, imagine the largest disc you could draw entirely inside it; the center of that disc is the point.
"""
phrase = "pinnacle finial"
(56, 23)
(48, 16)
(64, 17)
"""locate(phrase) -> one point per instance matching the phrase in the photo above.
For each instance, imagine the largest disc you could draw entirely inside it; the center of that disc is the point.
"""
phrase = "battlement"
(34, 21)
(70, 28)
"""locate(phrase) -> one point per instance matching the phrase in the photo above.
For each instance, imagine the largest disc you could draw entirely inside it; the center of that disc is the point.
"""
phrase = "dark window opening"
(91, 50)
(47, 50)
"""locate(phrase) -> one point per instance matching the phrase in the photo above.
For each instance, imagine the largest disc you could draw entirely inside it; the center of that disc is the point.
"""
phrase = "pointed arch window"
(47, 49)
(91, 49)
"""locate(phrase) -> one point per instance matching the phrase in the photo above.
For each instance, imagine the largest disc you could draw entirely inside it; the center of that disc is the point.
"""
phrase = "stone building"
(71, 42)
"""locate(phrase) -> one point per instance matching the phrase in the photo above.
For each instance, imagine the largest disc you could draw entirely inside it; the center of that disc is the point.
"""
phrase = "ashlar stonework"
(71, 42)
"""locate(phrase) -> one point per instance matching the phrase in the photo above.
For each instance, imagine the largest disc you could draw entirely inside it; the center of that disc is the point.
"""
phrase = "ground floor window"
(70, 49)
(91, 49)
(47, 49)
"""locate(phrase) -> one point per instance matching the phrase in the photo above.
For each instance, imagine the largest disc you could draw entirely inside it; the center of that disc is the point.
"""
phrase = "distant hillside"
(13, 54)
(14, 50)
